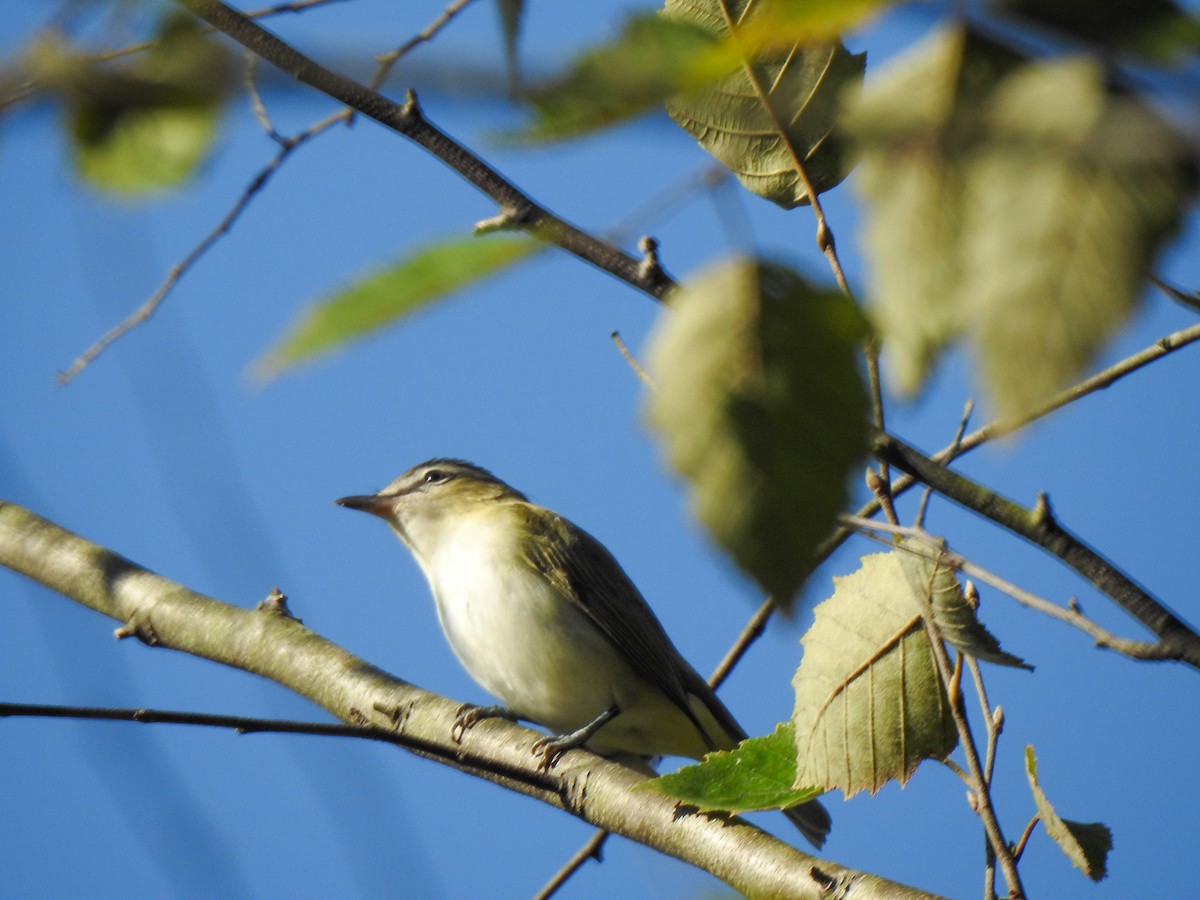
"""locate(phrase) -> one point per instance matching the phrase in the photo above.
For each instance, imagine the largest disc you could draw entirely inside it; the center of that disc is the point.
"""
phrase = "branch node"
(139, 628)
(508, 219)
(649, 270)
(275, 603)
(1042, 514)
(411, 108)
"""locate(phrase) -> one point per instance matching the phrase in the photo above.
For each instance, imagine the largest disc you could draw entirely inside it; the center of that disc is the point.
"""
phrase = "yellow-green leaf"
(762, 409)
(651, 59)
(870, 704)
(938, 593)
(1086, 844)
(389, 294)
(142, 126)
(772, 120)
(1018, 204)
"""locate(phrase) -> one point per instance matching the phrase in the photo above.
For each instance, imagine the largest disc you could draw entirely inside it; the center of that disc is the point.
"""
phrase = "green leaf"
(870, 704)
(938, 593)
(391, 293)
(772, 118)
(763, 411)
(146, 125)
(653, 58)
(759, 774)
(1086, 844)
(1017, 204)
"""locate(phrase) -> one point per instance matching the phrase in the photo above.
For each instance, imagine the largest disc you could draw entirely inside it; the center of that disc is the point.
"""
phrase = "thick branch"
(1038, 526)
(269, 642)
(517, 210)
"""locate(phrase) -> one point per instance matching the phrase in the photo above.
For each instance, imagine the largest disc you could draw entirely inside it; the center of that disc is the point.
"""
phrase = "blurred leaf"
(763, 411)
(775, 113)
(937, 591)
(146, 125)
(653, 58)
(387, 295)
(1086, 844)
(759, 774)
(1153, 28)
(510, 25)
(1019, 204)
(870, 704)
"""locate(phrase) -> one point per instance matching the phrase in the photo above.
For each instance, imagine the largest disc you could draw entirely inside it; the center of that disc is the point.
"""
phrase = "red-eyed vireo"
(544, 618)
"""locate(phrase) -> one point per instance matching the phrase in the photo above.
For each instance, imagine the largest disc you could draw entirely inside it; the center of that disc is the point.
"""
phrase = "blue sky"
(167, 452)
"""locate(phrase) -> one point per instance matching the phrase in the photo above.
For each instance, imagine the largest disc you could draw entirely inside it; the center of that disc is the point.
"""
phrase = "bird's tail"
(812, 820)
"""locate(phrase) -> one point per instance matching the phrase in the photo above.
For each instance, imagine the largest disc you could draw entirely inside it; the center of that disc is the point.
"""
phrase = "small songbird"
(543, 617)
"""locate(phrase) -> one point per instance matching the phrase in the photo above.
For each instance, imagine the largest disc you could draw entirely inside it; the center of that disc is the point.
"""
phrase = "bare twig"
(979, 785)
(1070, 614)
(640, 372)
(1039, 526)
(177, 271)
(388, 60)
(407, 120)
(1191, 301)
(590, 850)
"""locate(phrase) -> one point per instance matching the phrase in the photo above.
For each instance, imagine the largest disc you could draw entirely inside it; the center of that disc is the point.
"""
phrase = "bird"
(544, 618)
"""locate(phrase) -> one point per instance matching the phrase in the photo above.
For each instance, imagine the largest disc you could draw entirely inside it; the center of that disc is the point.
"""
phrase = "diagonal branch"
(516, 209)
(1038, 526)
(270, 642)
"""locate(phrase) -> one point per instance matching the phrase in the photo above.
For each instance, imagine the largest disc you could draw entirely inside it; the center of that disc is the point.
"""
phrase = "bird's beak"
(375, 504)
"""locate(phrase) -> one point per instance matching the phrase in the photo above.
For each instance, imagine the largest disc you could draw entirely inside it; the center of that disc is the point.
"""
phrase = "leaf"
(775, 114)
(760, 773)
(1016, 204)
(653, 58)
(1086, 844)
(391, 293)
(937, 590)
(145, 126)
(1153, 28)
(762, 410)
(870, 704)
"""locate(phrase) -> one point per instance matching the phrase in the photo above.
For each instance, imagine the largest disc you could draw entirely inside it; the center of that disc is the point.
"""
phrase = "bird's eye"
(434, 476)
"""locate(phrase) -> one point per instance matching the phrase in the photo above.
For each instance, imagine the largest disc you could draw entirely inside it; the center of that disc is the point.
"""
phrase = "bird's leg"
(554, 746)
(468, 715)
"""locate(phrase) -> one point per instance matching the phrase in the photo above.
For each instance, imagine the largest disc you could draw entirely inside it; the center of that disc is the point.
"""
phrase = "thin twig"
(387, 60)
(590, 850)
(1019, 847)
(968, 407)
(980, 788)
(640, 372)
(408, 120)
(177, 271)
(1039, 526)
(248, 725)
(1071, 614)
(1191, 301)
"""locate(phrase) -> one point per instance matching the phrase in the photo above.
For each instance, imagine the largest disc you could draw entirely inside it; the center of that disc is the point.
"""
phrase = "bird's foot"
(555, 745)
(469, 715)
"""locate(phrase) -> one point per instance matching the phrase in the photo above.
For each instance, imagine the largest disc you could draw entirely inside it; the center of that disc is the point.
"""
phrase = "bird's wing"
(589, 576)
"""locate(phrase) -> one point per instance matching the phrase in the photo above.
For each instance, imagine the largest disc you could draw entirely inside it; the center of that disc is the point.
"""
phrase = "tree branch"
(270, 642)
(1038, 526)
(516, 209)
